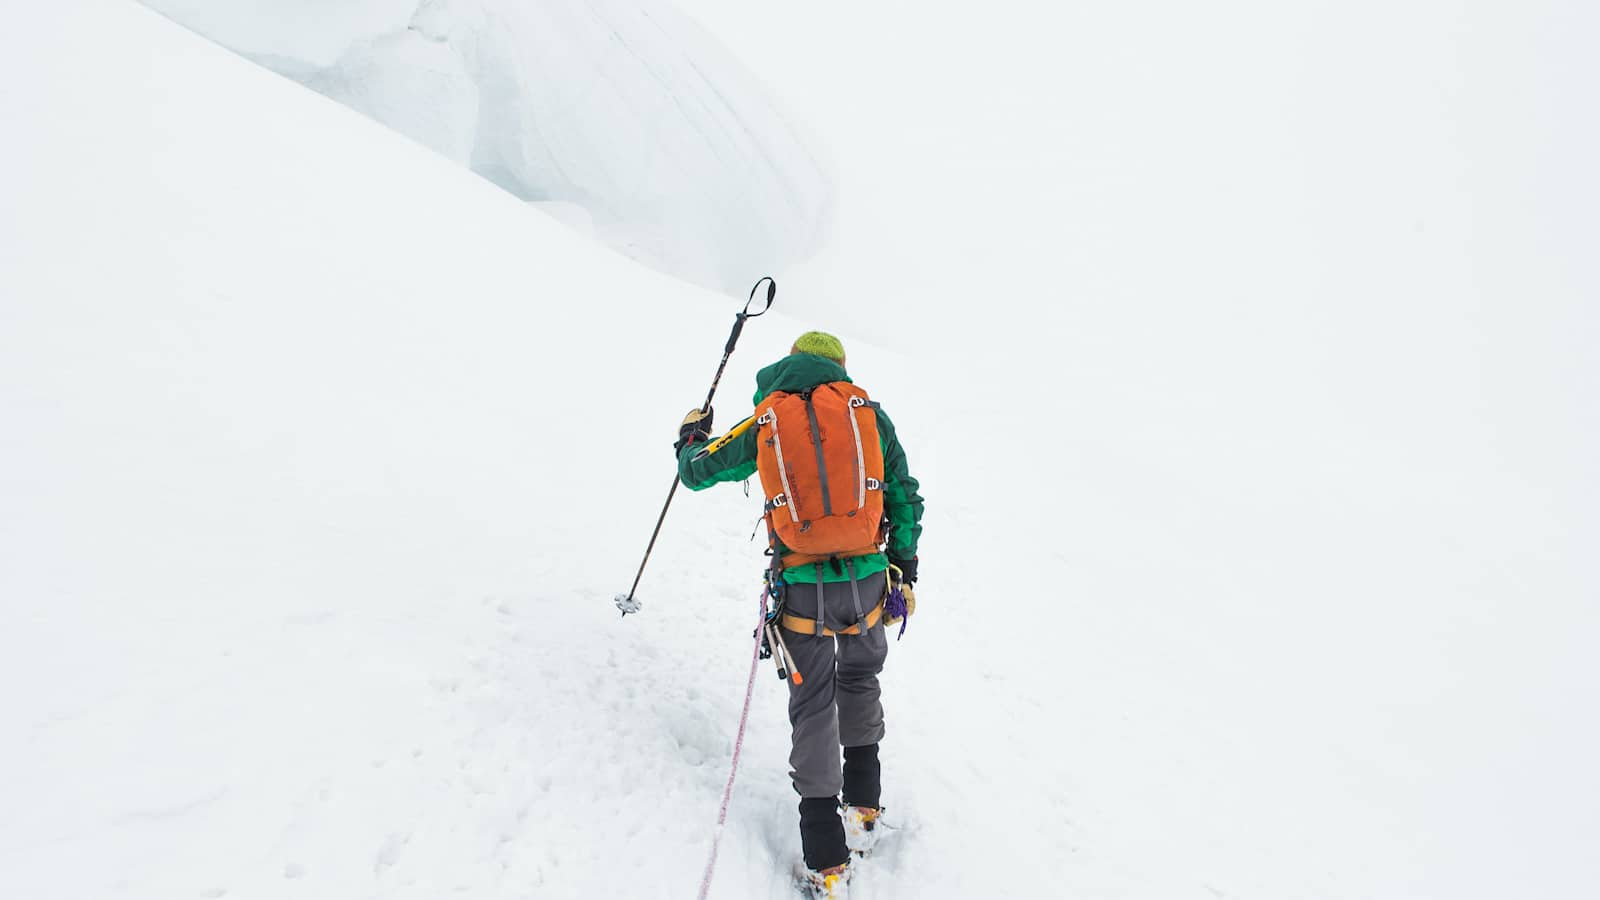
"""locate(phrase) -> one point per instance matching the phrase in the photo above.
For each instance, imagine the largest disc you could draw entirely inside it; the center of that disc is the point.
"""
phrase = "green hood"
(795, 373)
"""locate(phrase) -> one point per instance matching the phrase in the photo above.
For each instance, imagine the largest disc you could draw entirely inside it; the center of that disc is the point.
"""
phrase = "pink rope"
(738, 746)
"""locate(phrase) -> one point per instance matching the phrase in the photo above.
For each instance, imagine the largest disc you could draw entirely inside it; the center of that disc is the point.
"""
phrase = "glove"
(696, 427)
(890, 619)
(907, 567)
(893, 615)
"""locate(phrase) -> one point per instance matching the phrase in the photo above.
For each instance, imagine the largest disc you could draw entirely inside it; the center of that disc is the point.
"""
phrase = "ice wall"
(625, 108)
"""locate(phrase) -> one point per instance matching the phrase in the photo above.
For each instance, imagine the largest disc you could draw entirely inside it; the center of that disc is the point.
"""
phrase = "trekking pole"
(626, 602)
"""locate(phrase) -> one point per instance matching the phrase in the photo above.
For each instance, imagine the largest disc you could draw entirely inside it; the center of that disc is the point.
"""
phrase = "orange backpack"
(821, 468)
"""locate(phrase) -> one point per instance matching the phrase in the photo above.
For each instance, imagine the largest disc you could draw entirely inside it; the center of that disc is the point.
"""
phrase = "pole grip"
(738, 325)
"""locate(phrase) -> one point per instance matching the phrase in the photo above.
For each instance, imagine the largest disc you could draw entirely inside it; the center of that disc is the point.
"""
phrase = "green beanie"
(821, 344)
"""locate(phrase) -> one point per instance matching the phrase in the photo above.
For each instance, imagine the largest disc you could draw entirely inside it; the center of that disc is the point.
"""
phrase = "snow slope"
(316, 491)
(625, 109)
(1304, 295)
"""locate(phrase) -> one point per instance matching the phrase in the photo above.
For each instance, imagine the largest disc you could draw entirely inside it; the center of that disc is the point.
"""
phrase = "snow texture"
(1259, 555)
(625, 108)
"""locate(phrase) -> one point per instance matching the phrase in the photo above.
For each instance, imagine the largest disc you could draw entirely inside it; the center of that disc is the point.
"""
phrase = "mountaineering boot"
(832, 883)
(862, 788)
(827, 856)
(860, 824)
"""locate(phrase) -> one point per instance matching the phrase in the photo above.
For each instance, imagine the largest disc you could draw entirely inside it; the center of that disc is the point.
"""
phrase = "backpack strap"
(816, 444)
(821, 629)
(855, 590)
(770, 418)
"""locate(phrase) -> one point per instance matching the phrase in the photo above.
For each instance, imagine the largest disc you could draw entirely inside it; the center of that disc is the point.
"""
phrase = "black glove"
(696, 427)
(907, 567)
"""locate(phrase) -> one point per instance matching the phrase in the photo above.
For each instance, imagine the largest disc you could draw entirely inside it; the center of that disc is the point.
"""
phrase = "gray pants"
(838, 704)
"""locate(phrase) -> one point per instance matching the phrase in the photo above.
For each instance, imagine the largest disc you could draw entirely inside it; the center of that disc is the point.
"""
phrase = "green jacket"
(737, 461)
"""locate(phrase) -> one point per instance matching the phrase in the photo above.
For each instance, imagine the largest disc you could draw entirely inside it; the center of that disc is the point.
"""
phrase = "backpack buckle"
(777, 502)
(874, 484)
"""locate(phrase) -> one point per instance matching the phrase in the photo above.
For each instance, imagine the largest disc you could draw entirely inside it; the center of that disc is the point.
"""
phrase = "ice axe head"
(627, 603)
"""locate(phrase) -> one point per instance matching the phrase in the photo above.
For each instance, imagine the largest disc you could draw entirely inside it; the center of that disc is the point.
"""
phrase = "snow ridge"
(623, 108)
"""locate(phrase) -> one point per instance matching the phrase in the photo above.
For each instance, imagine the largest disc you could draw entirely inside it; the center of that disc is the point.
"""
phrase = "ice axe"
(627, 602)
(725, 440)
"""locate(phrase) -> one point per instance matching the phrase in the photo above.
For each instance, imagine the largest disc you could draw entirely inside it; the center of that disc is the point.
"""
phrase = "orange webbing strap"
(807, 559)
(807, 626)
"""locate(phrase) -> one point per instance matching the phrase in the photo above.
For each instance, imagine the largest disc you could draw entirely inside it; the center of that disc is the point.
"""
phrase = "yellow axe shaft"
(726, 439)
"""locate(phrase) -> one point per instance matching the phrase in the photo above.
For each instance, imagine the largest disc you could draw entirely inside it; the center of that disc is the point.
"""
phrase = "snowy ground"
(323, 459)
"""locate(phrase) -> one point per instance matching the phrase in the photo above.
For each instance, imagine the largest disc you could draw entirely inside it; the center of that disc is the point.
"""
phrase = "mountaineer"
(843, 519)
